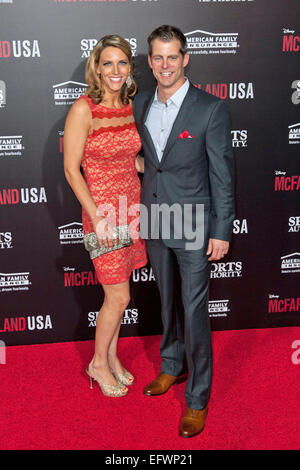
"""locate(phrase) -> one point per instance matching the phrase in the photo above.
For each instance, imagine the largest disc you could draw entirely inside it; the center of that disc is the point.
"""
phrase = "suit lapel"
(145, 129)
(180, 123)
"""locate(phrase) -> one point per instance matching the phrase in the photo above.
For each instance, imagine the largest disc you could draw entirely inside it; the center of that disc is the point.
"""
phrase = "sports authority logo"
(30, 323)
(130, 317)
(290, 263)
(290, 42)
(296, 94)
(71, 233)
(294, 134)
(286, 183)
(223, 270)
(239, 138)
(294, 224)
(67, 92)
(18, 49)
(240, 226)
(232, 91)
(143, 275)
(22, 196)
(289, 304)
(203, 42)
(87, 45)
(11, 145)
(218, 308)
(2, 94)
(79, 279)
(5, 240)
(14, 281)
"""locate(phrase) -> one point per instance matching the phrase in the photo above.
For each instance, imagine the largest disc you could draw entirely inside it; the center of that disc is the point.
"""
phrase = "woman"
(101, 137)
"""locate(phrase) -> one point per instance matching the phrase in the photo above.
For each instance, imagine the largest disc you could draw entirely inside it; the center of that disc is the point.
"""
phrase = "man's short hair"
(168, 33)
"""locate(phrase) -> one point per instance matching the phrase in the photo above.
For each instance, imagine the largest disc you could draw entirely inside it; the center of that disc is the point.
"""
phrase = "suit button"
(154, 194)
(159, 170)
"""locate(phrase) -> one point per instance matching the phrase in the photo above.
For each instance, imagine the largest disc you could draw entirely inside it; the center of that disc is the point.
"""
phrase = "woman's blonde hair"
(95, 90)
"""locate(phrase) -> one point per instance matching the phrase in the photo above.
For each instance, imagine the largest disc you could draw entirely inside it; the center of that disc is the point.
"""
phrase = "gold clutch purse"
(91, 244)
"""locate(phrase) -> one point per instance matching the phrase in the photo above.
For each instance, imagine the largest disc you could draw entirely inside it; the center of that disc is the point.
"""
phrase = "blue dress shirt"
(161, 117)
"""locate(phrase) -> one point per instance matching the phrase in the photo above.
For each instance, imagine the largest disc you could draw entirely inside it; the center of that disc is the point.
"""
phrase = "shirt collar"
(177, 98)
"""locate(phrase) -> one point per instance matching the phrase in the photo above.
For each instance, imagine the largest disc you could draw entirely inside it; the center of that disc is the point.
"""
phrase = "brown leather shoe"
(162, 384)
(193, 422)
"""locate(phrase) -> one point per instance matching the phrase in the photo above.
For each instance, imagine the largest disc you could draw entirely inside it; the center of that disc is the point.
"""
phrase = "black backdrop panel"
(243, 51)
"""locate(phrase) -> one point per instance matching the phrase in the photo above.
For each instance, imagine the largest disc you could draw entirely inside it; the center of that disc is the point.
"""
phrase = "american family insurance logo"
(19, 49)
(232, 91)
(203, 42)
(218, 308)
(14, 282)
(11, 145)
(29, 323)
(290, 263)
(2, 94)
(290, 41)
(71, 234)
(294, 134)
(284, 305)
(286, 183)
(87, 45)
(67, 92)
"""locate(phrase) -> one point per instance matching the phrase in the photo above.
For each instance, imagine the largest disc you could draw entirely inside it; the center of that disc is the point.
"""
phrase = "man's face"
(167, 63)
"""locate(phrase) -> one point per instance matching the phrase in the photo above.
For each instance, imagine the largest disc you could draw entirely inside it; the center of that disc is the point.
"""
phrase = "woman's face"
(114, 68)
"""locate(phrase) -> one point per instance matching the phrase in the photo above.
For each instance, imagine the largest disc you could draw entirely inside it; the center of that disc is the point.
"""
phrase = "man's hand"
(217, 249)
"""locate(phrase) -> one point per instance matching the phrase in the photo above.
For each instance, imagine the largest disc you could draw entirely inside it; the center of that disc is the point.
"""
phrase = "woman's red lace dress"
(109, 171)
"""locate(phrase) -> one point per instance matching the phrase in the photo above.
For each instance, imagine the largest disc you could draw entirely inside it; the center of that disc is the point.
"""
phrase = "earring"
(128, 81)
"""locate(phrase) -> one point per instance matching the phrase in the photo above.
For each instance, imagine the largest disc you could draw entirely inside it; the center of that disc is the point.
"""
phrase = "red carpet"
(46, 402)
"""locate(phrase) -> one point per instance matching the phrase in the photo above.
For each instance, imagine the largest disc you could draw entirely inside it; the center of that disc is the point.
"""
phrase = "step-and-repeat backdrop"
(243, 51)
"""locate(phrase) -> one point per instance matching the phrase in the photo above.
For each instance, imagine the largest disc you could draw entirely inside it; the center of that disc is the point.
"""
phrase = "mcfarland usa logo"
(67, 92)
(290, 42)
(18, 49)
(285, 305)
(232, 91)
(130, 317)
(290, 263)
(87, 45)
(22, 196)
(80, 278)
(223, 270)
(143, 275)
(239, 138)
(5, 240)
(2, 94)
(294, 134)
(240, 226)
(203, 42)
(71, 234)
(14, 281)
(29, 323)
(11, 145)
(218, 308)
(286, 183)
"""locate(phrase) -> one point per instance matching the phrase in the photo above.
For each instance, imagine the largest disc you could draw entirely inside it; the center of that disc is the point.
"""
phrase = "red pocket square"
(185, 135)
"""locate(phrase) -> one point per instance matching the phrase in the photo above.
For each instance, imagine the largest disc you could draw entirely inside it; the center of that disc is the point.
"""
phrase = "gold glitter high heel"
(125, 379)
(109, 390)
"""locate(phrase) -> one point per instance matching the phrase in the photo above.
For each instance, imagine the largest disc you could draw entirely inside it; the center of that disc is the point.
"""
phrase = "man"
(188, 161)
